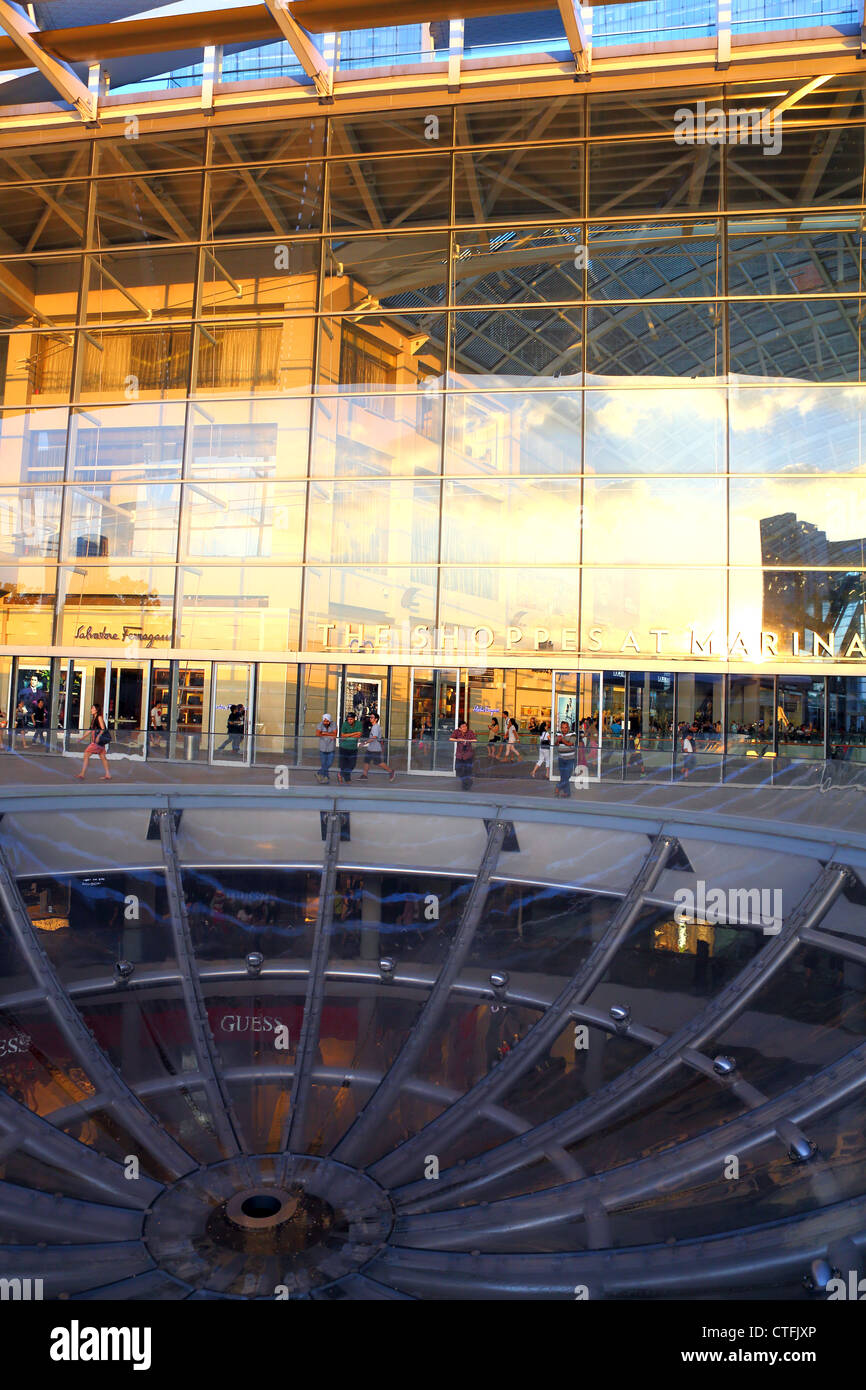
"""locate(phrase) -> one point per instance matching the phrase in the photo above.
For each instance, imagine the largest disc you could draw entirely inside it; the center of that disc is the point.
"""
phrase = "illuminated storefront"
(549, 415)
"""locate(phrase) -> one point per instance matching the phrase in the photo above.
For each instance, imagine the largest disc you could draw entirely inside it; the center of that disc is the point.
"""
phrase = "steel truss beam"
(357, 1140)
(305, 50)
(292, 1135)
(64, 81)
(600, 1108)
(123, 1103)
(499, 1080)
(222, 1113)
(23, 1131)
(675, 1170)
(579, 40)
(40, 1216)
(765, 1255)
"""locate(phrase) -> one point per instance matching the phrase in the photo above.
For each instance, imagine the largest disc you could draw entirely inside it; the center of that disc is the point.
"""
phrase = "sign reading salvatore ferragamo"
(455, 640)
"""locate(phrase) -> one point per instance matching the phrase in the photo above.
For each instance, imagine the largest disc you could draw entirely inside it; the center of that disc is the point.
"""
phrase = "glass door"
(434, 719)
(231, 735)
(576, 701)
(127, 707)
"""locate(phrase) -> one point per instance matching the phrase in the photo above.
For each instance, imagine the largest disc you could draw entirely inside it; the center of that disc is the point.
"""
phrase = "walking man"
(374, 753)
(464, 737)
(566, 754)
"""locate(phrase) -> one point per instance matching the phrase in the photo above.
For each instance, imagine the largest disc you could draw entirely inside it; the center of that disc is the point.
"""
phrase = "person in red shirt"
(464, 758)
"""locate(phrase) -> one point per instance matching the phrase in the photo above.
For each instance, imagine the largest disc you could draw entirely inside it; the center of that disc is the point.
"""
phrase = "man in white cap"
(327, 744)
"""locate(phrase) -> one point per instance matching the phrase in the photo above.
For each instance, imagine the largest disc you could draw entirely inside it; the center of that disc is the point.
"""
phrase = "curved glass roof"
(343, 1078)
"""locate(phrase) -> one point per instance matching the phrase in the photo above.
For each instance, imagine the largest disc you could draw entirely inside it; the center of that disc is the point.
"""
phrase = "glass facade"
(511, 386)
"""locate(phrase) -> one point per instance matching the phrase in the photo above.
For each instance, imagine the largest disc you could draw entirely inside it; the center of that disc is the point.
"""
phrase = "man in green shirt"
(350, 733)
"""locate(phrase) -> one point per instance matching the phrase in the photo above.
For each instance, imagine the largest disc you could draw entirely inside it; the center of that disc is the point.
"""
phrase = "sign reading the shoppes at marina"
(455, 640)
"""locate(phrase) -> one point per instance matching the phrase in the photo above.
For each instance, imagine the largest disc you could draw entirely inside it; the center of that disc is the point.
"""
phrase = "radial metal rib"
(292, 1138)
(225, 1121)
(490, 1088)
(122, 1102)
(611, 1100)
(354, 1144)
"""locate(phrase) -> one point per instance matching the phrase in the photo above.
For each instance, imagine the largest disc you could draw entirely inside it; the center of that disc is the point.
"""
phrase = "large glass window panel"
(797, 429)
(116, 605)
(253, 357)
(846, 716)
(32, 446)
(541, 605)
(818, 613)
(39, 292)
(629, 113)
(807, 339)
(272, 277)
(35, 367)
(249, 439)
(678, 339)
(373, 522)
(238, 608)
(134, 363)
(636, 260)
(533, 181)
(125, 518)
(29, 523)
(280, 200)
(517, 343)
(377, 435)
(664, 429)
(27, 604)
(374, 132)
(276, 711)
(664, 610)
(513, 265)
(506, 122)
(44, 218)
(44, 162)
(399, 272)
(382, 353)
(639, 521)
(801, 521)
(812, 166)
(126, 442)
(800, 716)
(173, 149)
(701, 709)
(384, 194)
(245, 143)
(85, 927)
(348, 606)
(136, 286)
(262, 520)
(148, 208)
(511, 522)
(812, 254)
(751, 715)
(648, 177)
(513, 432)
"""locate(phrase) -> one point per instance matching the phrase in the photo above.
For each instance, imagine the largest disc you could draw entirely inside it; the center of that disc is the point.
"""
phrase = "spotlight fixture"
(255, 961)
(723, 1066)
(387, 966)
(621, 1015)
(123, 971)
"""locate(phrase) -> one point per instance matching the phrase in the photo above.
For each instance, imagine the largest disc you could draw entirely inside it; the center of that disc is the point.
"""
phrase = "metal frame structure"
(442, 1229)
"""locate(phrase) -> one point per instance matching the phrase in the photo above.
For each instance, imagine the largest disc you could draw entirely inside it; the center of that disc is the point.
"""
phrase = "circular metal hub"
(271, 1226)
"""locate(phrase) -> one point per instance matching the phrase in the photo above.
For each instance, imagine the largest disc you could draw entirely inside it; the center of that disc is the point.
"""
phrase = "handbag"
(103, 738)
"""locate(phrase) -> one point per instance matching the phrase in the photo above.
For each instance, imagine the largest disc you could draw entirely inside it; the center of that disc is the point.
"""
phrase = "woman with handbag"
(100, 739)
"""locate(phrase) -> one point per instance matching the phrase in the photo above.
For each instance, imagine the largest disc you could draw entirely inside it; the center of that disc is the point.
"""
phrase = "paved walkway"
(39, 774)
